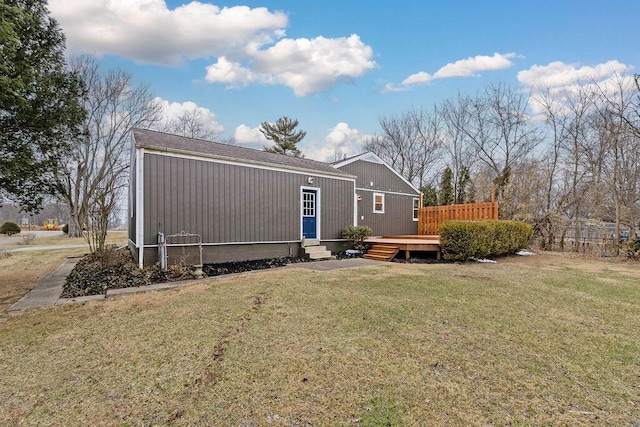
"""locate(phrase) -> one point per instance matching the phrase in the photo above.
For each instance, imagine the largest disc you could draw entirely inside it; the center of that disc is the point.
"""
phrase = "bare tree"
(409, 143)
(615, 102)
(190, 123)
(459, 153)
(499, 129)
(94, 172)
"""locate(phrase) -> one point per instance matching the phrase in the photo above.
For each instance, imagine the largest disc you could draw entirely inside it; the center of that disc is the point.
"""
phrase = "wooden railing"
(430, 217)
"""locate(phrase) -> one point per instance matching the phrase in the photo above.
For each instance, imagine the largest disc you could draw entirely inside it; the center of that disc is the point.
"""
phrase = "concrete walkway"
(48, 291)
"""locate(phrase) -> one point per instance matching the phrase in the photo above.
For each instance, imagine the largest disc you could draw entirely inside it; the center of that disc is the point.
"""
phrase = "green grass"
(529, 341)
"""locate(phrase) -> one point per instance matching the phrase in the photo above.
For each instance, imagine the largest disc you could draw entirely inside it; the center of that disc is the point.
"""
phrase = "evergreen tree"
(283, 134)
(39, 101)
(463, 184)
(446, 196)
(429, 196)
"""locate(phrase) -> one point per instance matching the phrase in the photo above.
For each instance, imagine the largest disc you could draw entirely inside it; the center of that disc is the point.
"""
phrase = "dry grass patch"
(404, 344)
(21, 271)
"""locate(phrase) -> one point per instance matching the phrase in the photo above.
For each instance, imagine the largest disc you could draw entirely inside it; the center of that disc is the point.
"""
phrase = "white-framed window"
(416, 206)
(378, 203)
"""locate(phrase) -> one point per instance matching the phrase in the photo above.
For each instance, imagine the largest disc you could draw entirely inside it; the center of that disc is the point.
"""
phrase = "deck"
(386, 248)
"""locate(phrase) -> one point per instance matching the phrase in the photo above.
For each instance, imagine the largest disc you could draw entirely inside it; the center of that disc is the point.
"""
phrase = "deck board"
(409, 243)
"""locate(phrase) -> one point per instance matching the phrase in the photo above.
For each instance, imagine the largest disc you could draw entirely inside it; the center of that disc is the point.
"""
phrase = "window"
(308, 204)
(416, 206)
(378, 203)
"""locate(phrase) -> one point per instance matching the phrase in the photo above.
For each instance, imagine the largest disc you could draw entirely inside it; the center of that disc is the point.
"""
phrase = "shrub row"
(461, 240)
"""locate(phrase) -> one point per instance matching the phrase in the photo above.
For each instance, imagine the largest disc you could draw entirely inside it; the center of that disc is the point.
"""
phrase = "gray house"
(246, 204)
(249, 204)
(385, 201)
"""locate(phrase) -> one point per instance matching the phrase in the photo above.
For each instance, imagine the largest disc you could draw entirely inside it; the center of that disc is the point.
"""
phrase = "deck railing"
(430, 217)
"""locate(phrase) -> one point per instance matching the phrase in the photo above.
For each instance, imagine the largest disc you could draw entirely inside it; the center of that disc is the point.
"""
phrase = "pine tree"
(39, 101)
(446, 196)
(463, 184)
(429, 196)
(283, 134)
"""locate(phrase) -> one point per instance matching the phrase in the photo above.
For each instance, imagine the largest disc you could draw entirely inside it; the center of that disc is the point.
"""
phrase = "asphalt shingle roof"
(179, 144)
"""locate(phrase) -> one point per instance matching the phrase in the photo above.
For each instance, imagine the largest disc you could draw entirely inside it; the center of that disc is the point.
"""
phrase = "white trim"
(374, 203)
(318, 213)
(414, 209)
(140, 205)
(373, 158)
(355, 209)
(248, 164)
(366, 157)
(386, 192)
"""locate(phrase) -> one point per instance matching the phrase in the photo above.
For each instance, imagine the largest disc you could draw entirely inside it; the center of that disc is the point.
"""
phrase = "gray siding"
(235, 203)
(398, 210)
(397, 217)
(382, 177)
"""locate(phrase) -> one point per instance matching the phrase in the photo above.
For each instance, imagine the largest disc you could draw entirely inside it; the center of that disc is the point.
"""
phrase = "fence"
(430, 217)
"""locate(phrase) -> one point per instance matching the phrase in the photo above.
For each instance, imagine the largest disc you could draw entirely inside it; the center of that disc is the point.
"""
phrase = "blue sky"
(338, 66)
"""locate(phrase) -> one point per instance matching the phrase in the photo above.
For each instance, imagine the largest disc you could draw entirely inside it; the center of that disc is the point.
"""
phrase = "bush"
(460, 240)
(27, 239)
(357, 234)
(9, 228)
(632, 247)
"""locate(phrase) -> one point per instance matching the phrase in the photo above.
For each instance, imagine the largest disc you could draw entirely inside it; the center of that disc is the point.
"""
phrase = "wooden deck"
(386, 248)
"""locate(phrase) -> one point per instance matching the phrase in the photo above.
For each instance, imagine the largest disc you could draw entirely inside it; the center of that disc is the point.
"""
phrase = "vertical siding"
(398, 208)
(396, 219)
(382, 177)
(231, 203)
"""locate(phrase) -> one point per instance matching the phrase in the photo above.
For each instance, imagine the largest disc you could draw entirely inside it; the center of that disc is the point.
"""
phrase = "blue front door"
(309, 215)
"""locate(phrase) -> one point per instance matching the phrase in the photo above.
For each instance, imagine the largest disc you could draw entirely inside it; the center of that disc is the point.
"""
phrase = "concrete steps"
(380, 252)
(313, 250)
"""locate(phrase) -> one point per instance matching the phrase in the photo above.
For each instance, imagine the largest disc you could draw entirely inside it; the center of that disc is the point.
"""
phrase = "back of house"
(244, 204)
(384, 200)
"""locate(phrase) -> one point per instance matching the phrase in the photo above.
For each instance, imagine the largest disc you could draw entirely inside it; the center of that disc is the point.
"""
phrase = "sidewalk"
(47, 292)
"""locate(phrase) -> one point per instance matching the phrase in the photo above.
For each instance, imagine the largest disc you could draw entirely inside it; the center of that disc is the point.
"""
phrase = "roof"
(160, 141)
(372, 158)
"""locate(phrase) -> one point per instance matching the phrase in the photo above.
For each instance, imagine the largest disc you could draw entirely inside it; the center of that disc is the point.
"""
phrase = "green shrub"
(357, 234)
(460, 240)
(632, 248)
(9, 228)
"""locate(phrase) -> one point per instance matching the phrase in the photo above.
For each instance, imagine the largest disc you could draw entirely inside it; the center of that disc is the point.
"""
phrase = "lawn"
(542, 340)
(21, 271)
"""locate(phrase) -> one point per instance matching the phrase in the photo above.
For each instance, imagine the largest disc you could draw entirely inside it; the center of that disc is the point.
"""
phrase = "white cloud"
(418, 78)
(305, 65)
(341, 141)
(148, 31)
(204, 117)
(249, 136)
(232, 73)
(566, 83)
(560, 75)
(390, 87)
(468, 67)
(248, 43)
